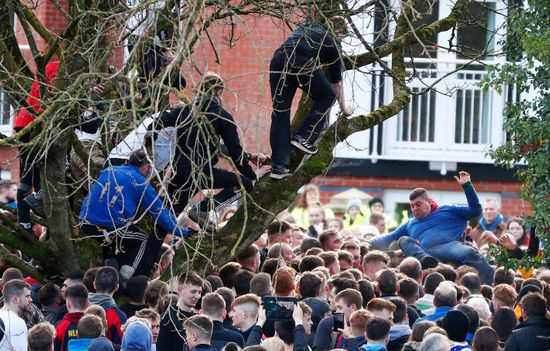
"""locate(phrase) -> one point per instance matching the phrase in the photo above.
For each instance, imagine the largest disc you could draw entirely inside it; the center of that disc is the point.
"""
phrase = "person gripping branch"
(110, 211)
(434, 231)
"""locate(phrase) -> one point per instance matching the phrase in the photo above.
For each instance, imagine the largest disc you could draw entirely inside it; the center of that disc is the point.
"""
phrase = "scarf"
(483, 223)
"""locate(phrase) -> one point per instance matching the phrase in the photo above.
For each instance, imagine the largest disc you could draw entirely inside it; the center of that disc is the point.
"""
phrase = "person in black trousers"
(200, 126)
(297, 64)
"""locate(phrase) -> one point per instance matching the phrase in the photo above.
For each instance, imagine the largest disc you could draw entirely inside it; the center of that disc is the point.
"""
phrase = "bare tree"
(94, 37)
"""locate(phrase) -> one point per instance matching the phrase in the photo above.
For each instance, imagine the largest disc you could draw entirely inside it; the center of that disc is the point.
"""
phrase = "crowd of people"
(311, 282)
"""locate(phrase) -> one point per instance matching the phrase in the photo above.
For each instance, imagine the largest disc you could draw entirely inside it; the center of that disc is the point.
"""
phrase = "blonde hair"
(273, 344)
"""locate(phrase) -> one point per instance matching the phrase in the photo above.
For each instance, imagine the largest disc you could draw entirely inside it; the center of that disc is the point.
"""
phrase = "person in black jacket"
(297, 64)
(213, 306)
(534, 332)
(199, 129)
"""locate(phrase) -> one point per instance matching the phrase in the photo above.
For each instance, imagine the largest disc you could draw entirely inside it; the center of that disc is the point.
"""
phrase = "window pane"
(428, 12)
(475, 35)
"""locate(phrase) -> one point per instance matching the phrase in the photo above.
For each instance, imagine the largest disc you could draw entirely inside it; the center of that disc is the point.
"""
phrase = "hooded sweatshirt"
(79, 344)
(137, 338)
(373, 348)
(101, 344)
(66, 330)
(115, 317)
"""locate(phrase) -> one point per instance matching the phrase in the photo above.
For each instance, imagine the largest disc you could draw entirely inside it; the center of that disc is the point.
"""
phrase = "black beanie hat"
(375, 200)
(456, 324)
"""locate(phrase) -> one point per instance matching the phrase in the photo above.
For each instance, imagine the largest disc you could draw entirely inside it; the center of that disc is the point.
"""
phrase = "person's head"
(381, 308)
(98, 311)
(408, 290)
(41, 337)
(137, 337)
(228, 296)
(260, 285)
(90, 326)
(270, 265)
(376, 205)
(419, 329)
(11, 274)
(272, 344)
(213, 306)
(379, 221)
(345, 259)
(387, 282)
(154, 293)
(331, 262)
(211, 84)
(283, 281)
(435, 342)
(504, 296)
(106, 280)
(311, 195)
(335, 224)
(456, 324)
(50, 295)
(432, 282)
(330, 240)
(308, 263)
(354, 249)
(490, 210)
(316, 214)
(135, 288)
(448, 271)
(310, 285)
(503, 276)
(189, 290)
(17, 295)
(244, 311)
(472, 314)
(366, 288)
(412, 268)
(445, 295)
(348, 301)
(339, 284)
(353, 207)
(419, 200)
(374, 262)
(481, 306)
(249, 258)
(378, 331)
(215, 281)
(472, 282)
(282, 250)
(503, 322)
(400, 314)
(358, 322)
(227, 272)
(154, 320)
(485, 339)
(309, 243)
(87, 279)
(515, 227)
(77, 298)
(242, 280)
(279, 232)
(142, 161)
(532, 305)
(285, 329)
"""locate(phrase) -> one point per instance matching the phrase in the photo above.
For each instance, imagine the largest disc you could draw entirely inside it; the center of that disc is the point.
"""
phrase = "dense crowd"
(313, 281)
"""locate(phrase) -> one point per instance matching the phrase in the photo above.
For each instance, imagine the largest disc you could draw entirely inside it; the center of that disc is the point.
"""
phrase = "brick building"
(435, 136)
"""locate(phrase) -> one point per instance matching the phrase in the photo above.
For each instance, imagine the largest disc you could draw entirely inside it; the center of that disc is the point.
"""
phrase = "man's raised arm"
(474, 206)
(381, 242)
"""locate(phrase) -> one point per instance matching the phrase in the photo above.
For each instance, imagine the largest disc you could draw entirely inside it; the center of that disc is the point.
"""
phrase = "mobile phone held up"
(279, 308)
(338, 321)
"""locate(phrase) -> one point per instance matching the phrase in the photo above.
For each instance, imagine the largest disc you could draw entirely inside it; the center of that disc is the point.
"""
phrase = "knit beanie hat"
(355, 202)
(456, 324)
(101, 344)
(137, 338)
(375, 200)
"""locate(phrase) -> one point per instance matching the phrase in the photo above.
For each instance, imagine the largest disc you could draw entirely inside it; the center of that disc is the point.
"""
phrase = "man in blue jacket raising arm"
(434, 231)
(117, 200)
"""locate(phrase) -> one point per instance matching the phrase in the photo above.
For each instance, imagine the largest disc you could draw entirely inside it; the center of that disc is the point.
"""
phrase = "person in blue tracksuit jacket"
(435, 231)
(115, 203)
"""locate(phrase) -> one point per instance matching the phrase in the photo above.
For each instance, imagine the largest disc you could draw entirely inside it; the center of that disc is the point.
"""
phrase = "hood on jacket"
(137, 337)
(399, 330)
(103, 300)
(73, 317)
(79, 344)
(373, 348)
(101, 344)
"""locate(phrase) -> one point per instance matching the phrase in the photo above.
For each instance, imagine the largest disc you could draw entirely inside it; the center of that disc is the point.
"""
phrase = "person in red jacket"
(29, 174)
(77, 302)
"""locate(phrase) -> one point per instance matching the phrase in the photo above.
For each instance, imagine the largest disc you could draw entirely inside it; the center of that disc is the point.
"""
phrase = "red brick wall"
(511, 203)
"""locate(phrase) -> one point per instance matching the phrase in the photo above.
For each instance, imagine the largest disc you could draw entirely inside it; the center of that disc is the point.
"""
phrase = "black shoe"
(429, 262)
(112, 262)
(280, 172)
(303, 145)
(35, 205)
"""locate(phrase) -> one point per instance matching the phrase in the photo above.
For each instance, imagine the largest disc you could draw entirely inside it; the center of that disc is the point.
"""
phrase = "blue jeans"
(453, 252)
